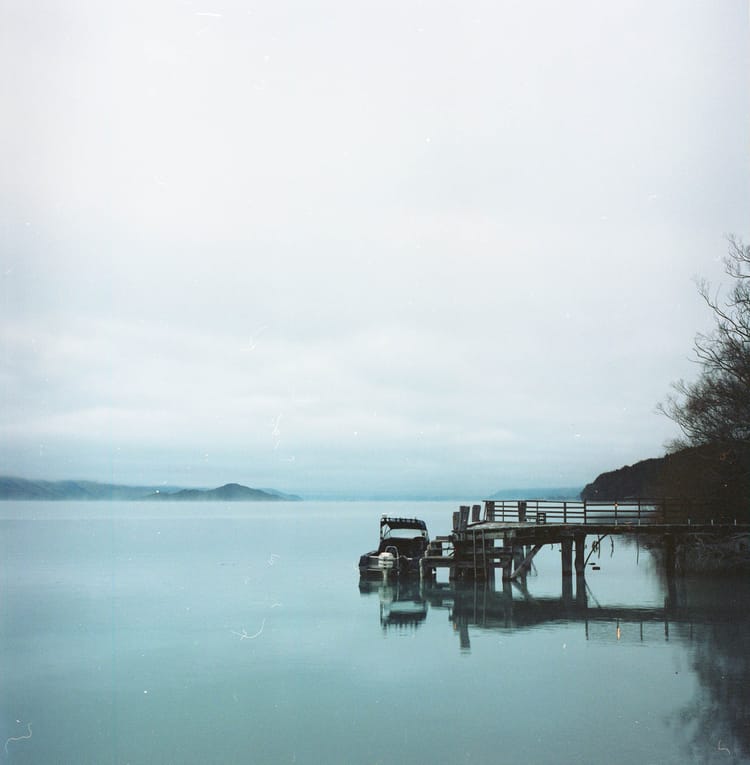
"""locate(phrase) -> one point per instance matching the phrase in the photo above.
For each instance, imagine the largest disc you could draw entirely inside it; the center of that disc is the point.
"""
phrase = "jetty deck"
(508, 534)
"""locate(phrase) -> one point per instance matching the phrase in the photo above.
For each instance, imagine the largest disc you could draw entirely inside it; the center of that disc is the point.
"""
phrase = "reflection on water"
(480, 605)
(225, 634)
(708, 615)
(402, 603)
(720, 653)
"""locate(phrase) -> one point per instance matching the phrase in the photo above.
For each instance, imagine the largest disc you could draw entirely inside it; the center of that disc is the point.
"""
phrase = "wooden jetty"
(508, 534)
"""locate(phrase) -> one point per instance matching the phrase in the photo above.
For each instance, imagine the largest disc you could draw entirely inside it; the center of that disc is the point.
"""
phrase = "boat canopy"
(403, 523)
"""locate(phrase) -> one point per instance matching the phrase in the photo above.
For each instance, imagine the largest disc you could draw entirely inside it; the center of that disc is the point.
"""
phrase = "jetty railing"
(635, 512)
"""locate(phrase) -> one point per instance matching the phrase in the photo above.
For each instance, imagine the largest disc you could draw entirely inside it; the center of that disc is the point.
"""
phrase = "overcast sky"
(419, 247)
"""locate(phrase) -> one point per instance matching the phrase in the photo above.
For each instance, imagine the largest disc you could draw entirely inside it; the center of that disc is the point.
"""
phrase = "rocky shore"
(708, 554)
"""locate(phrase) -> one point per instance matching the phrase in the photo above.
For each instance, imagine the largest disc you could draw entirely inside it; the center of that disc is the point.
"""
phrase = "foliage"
(715, 409)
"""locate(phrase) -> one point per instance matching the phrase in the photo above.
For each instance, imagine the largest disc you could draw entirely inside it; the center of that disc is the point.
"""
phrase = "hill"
(713, 476)
(638, 480)
(12, 488)
(25, 489)
(230, 492)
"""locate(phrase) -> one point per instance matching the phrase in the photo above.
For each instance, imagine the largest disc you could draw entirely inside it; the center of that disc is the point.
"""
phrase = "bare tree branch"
(716, 407)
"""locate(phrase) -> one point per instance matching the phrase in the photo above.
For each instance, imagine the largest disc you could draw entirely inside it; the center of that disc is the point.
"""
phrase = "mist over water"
(134, 633)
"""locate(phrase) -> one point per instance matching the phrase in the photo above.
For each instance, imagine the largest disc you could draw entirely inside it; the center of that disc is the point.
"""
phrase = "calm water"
(135, 633)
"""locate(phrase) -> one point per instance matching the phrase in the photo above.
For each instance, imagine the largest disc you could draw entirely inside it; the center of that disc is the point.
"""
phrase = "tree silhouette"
(715, 409)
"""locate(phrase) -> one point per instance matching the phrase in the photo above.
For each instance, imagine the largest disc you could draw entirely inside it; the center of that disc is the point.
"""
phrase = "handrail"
(636, 511)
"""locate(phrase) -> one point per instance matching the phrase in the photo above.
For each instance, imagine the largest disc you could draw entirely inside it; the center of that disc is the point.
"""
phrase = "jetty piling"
(509, 533)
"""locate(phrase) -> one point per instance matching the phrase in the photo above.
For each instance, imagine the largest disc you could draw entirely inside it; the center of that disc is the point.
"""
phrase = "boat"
(403, 543)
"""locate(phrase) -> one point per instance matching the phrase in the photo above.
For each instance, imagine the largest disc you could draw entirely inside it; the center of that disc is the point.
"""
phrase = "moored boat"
(403, 543)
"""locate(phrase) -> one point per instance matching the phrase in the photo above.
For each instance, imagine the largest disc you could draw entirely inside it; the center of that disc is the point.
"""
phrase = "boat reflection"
(402, 604)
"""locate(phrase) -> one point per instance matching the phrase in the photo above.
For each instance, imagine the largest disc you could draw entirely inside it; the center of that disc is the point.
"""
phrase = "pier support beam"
(518, 556)
(507, 568)
(508, 594)
(566, 552)
(580, 564)
(566, 547)
(580, 540)
(567, 591)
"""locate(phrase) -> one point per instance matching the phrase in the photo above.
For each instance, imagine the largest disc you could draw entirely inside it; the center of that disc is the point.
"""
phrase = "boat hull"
(371, 565)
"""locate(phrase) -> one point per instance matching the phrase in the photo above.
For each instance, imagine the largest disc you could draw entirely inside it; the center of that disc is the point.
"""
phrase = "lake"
(239, 633)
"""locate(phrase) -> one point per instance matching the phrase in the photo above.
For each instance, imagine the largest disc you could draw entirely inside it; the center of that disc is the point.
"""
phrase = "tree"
(715, 409)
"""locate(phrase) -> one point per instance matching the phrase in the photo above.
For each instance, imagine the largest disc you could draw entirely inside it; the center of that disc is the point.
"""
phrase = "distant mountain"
(230, 492)
(22, 488)
(12, 488)
(563, 494)
(282, 495)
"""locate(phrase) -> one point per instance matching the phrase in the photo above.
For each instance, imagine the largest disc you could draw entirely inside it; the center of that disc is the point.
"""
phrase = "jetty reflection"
(708, 617)
(486, 609)
(479, 605)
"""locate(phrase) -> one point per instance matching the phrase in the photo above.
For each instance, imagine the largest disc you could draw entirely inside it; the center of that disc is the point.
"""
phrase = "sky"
(357, 248)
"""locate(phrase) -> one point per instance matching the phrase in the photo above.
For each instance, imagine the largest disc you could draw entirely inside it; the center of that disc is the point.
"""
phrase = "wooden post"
(475, 511)
(464, 510)
(507, 558)
(489, 510)
(474, 554)
(507, 567)
(456, 520)
(517, 556)
(580, 540)
(521, 511)
(567, 556)
(567, 590)
(508, 596)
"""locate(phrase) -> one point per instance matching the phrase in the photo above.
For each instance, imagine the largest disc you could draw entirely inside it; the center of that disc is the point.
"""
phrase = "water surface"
(223, 633)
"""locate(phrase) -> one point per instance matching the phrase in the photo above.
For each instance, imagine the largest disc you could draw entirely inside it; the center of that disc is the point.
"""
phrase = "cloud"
(325, 245)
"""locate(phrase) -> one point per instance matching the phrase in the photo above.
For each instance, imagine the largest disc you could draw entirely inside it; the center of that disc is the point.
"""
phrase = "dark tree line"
(715, 408)
(712, 460)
